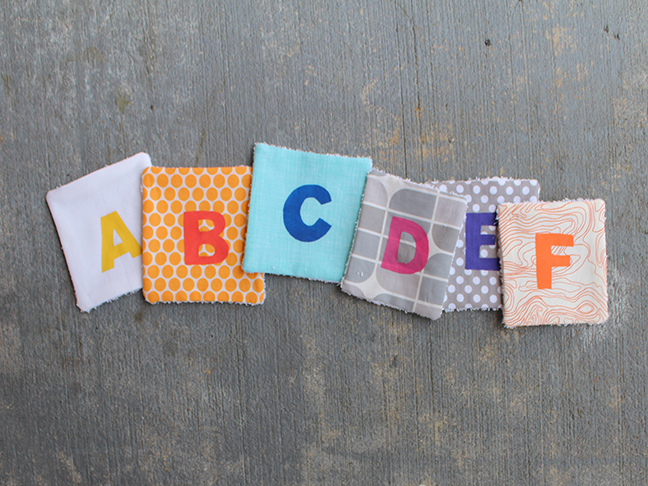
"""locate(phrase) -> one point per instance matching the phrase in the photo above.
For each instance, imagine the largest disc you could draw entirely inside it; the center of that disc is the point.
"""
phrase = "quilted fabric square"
(303, 212)
(475, 281)
(99, 222)
(404, 245)
(554, 262)
(194, 223)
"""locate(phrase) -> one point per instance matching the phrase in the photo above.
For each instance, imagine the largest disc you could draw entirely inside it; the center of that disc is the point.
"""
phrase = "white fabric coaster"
(99, 221)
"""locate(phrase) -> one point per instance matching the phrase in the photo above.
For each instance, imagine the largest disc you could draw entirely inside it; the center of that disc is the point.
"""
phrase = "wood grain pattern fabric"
(404, 245)
(99, 221)
(554, 262)
(194, 227)
(475, 281)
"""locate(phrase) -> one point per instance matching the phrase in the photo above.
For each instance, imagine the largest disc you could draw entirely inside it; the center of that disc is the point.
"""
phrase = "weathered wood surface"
(316, 387)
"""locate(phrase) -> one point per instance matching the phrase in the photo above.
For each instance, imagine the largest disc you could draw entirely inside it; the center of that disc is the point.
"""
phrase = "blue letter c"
(292, 213)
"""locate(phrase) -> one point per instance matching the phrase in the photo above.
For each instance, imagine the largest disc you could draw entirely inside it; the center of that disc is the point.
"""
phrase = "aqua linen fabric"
(303, 212)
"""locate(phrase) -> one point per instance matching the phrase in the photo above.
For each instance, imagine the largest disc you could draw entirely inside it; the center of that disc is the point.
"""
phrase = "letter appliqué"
(111, 223)
(292, 213)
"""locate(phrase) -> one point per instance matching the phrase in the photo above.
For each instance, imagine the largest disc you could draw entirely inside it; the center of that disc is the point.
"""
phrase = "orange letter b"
(545, 260)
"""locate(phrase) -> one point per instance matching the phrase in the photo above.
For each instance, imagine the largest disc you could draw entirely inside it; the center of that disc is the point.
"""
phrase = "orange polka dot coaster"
(554, 262)
(194, 222)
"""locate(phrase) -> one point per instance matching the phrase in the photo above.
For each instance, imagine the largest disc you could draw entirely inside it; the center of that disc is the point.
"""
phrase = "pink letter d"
(390, 259)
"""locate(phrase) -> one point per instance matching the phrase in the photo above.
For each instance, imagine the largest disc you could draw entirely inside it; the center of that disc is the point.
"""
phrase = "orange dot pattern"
(166, 195)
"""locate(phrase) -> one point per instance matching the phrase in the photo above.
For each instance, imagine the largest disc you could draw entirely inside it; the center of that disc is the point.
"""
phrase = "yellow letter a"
(109, 251)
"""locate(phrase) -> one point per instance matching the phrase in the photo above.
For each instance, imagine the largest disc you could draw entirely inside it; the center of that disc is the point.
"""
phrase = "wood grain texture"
(316, 387)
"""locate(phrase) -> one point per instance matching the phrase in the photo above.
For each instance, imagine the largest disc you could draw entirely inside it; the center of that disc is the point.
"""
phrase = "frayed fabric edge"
(310, 152)
(375, 302)
(248, 304)
(130, 292)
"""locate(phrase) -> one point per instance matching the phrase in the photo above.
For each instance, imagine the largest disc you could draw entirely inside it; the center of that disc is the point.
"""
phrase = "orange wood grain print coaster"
(194, 222)
(554, 262)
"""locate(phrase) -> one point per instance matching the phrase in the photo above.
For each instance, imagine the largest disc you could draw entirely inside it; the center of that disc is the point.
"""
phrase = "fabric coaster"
(404, 245)
(194, 223)
(554, 262)
(475, 281)
(303, 212)
(99, 221)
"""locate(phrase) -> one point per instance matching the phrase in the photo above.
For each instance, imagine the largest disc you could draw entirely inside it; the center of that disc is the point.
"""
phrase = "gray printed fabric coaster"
(475, 279)
(404, 245)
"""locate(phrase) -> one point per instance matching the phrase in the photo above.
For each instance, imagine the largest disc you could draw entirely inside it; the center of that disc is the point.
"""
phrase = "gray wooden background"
(316, 387)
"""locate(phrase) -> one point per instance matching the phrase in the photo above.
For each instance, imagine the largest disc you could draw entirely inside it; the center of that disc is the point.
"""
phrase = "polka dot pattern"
(167, 194)
(480, 289)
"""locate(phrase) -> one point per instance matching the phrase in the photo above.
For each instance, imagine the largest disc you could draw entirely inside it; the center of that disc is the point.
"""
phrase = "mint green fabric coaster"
(303, 212)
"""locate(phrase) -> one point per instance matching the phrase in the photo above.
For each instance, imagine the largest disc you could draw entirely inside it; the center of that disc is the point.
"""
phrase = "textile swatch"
(99, 221)
(404, 245)
(194, 224)
(303, 212)
(554, 262)
(475, 281)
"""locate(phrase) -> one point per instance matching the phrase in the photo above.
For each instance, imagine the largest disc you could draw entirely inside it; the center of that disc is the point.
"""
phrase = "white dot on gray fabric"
(493, 190)
(493, 298)
(443, 188)
(476, 298)
(459, 297)
(476, 208)
(459, 279)
(469, 306)
(533, 199)
(484, 182)
(484, 289)
(525, 190)
(483, 253)
(459, 189)
(459, 244)
(500, 199)
(492, 208)
(476, 189)
(468, 289)
(534, 182)
(516, 199)
(517, 182)
(452, 271)
(483, 272)
(468, 272)
(509, 190)
(468, 197)
(484, 199)
(501, 182)
(484, 306)
(460, 262)
(476, 280)
(492, 280)
(451, 288)
(499, 289)
(452, 306)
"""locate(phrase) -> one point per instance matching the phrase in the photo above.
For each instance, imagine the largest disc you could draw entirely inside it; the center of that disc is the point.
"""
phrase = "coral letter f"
(545, 260)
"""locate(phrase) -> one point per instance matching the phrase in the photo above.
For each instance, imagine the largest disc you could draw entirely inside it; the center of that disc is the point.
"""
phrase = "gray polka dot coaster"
(475, 281)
